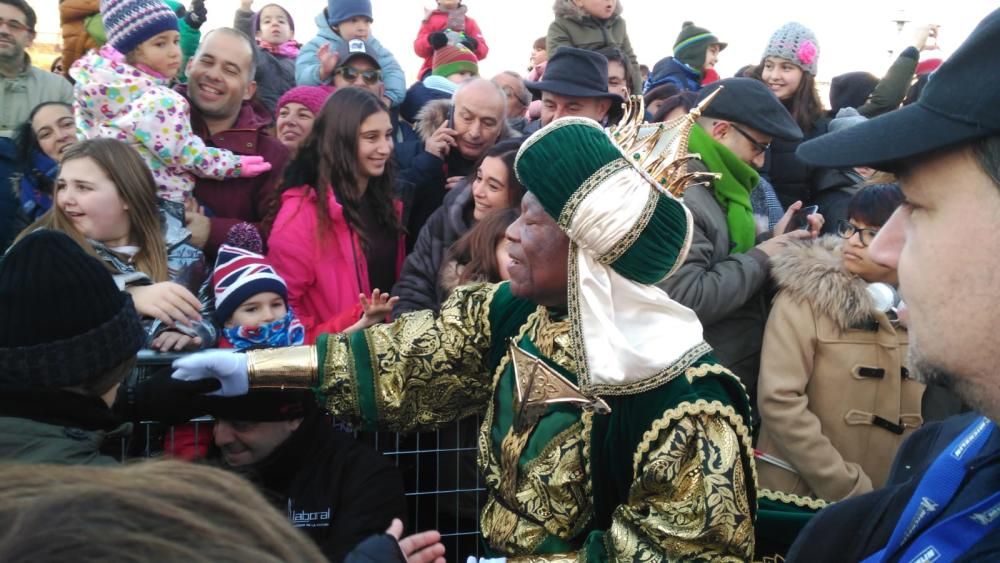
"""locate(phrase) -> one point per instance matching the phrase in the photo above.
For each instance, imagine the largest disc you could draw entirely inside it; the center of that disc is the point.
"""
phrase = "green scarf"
(732, 190)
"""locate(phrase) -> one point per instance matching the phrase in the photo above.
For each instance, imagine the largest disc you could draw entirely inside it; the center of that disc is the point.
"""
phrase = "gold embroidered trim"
(592, 183)
(699, 407)
(626, 242)
(682, 255)
(548, 558)
(558, 124)
(505, 529)
(583, 369)
(340, 379)
(662, 377)
(791, 498)
(429, 371)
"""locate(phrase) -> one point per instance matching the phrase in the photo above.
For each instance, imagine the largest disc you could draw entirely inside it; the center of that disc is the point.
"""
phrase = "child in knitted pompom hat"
(251, 300)
(447, 24)
(123, 91)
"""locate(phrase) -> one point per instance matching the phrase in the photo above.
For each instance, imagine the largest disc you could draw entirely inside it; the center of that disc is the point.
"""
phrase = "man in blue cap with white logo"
(942, 500)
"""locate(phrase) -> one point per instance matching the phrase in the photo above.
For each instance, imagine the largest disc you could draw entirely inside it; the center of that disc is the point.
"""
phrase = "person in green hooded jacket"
(593, 25)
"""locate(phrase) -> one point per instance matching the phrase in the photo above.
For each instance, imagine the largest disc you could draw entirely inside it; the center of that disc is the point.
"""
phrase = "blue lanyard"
(948, 539)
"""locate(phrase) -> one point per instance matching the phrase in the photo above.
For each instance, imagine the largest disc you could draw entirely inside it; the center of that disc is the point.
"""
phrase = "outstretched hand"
(425, 547)
(327, 62)
(376, 308)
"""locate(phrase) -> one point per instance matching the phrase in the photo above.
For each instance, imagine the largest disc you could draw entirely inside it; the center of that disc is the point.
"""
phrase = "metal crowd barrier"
(443, 487)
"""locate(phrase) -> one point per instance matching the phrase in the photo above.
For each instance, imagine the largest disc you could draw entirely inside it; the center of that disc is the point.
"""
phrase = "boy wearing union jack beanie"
(251, 300)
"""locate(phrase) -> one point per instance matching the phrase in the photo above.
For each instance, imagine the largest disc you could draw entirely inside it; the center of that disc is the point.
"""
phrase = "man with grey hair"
(225, 114)
(518, 98)
(454, 134)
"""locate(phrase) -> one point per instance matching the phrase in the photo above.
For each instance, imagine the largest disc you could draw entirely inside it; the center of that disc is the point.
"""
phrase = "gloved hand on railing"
(229, 367)
(251, 166)
(162, 398)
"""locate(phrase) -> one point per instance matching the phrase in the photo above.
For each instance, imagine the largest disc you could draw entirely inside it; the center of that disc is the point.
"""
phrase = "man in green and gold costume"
(609, 432)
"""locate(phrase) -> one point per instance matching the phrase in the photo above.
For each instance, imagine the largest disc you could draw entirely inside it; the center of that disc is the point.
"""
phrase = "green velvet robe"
(667, 475)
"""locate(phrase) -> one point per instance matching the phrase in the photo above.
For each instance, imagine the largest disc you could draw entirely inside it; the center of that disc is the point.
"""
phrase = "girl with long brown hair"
(337, 233)
(105, 200)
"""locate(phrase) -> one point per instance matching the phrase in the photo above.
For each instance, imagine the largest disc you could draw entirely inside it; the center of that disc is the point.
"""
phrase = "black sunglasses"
(759, 146)
(351, 74)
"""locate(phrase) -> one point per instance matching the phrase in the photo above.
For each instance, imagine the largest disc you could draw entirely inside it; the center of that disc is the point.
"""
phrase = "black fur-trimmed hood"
(813, 271)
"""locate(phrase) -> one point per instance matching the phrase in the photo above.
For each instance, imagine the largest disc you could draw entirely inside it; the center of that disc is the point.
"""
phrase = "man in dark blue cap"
(725, 270)
(942, 500)
(575, 83)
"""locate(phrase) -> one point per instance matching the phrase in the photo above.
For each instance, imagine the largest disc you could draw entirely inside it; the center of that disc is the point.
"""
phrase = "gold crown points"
(661, 149)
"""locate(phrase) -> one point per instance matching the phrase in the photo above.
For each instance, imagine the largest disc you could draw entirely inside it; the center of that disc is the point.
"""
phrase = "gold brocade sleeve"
(688, 501)
(417, 372)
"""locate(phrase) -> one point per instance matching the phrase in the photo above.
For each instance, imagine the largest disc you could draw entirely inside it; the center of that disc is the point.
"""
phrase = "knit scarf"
(732, 190)
(289, 49)
(287, 331)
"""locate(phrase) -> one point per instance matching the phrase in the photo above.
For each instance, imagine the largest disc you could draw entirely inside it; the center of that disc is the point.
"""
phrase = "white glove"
(228, 366)
(472, 559)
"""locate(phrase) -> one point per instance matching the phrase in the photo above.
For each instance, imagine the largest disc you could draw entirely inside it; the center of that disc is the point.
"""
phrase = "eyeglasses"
(846, 230)
(351, 74)
(13, 25)
(758, 146)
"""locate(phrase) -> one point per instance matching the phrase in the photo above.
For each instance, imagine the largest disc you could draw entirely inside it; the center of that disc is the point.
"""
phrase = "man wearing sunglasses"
(725, 270)
(357, 68)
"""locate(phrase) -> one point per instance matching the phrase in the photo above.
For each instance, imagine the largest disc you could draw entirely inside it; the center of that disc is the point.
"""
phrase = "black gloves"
(437, 40)
(471, 42)
(162, 398)
(197, 14)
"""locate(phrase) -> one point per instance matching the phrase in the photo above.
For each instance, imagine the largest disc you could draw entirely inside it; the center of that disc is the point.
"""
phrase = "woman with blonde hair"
(105, 199)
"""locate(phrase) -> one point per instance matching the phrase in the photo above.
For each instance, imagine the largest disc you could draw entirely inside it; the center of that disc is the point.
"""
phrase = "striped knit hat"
(692, 43)
(239, 275)
(796, 43)
(127, 23)
(454, 58)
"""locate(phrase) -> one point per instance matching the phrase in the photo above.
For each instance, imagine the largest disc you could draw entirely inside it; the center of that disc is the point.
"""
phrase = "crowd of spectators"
(174, 188)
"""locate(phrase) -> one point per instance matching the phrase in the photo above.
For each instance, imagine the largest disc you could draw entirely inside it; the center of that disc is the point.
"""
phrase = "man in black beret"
(728, 263)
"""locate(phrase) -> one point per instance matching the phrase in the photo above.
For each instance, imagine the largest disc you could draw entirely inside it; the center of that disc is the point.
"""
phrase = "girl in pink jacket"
(337, 233)
(123, 92)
